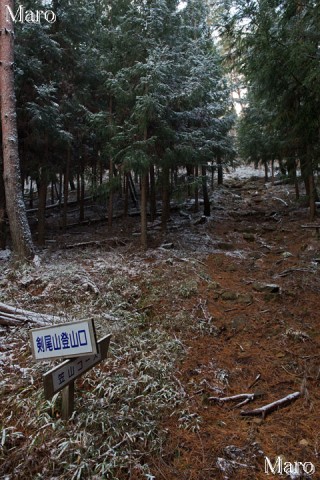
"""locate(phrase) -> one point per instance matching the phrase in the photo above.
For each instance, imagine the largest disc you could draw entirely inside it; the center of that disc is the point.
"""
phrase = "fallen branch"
(97, 243)
(291, 270)
(280, 200)
(272, 406)
(244, 397)
(12, 316)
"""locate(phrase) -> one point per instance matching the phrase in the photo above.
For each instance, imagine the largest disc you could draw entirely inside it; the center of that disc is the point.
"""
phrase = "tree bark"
(206, 201)
(220, 171)
(66, 191)
(126, 195)
(19, 228)
(266, 170)
(144, 188)
(2, 210)
(292, 172)
(312, 198)
(153, 200)
(42, 194)
(196, 189)
(110, 203)
(165, 197)
(82, 189)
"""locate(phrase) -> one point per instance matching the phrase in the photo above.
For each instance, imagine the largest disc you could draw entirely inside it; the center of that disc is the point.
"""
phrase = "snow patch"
(5, 254)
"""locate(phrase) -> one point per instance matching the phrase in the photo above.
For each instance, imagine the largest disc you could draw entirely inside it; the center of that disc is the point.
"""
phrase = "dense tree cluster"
(274, 45)
(126, 92)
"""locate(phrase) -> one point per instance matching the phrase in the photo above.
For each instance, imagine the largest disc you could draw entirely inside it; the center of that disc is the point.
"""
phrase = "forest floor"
(212, 309)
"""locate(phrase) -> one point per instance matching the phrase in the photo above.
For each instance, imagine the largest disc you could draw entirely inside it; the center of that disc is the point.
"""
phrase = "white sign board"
(63, 341)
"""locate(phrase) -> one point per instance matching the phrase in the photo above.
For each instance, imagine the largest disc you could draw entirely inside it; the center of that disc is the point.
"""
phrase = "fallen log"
(12, 316)
(113, 242)
(263, 411)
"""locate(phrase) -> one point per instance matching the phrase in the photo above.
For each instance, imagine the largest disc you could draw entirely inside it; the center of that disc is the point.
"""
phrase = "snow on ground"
(244, 171)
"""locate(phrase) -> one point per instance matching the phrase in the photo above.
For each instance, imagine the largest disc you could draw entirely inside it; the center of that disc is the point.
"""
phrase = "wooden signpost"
(76, 341)
(62, 376)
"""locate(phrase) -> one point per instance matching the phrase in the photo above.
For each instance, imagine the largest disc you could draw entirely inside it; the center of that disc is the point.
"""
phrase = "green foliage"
(274, 45)
(134, 83)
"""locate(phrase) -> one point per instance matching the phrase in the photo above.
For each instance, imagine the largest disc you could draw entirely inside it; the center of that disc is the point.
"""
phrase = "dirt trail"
(262, 299)
(214, 308)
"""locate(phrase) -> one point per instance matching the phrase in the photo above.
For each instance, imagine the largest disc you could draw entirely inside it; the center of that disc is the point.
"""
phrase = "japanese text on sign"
(73, 369)
(66, 340)
(61, 342)
(65, 373)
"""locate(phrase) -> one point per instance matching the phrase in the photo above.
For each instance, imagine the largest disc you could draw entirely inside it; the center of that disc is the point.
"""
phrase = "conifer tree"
(275, 46)
(19, 227)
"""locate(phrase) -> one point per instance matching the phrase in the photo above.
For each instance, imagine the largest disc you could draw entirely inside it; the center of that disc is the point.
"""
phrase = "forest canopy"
(134, 98)
(115, 89)
(273, 45)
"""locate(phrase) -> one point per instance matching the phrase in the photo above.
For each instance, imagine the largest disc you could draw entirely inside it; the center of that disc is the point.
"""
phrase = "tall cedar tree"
(19, 227)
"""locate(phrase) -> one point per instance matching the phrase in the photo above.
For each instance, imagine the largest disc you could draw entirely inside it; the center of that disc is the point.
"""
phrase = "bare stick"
(255, 381)
(272, 406)
(241, 396)
(291, 270)
(280, 200)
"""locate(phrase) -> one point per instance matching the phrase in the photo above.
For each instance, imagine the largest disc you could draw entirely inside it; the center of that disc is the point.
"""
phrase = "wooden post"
(62, 377)
(67, 401)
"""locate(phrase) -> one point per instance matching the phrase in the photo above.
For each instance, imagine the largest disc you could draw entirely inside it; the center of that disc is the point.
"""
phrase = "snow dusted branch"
(12, 316)
(272, 406)
(243, 397)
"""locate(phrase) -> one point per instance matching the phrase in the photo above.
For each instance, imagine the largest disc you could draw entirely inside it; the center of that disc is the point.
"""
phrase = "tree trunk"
(212, 175)
(66, 191)
(82, 190)
(266, 176)
(312, 197)
(2, 210)
(31, 194)
(305, 173)
(165, 198)
(196, 189)
(272, 171)
(43, 186)
(110, 205)
(206, 201)
(16, 210)
(220, 171)
(189, 169)
(292, 172)
(144, 188)
(101, 169)
(126, 194)
(60, 188)
(153, 200)
(132, 189)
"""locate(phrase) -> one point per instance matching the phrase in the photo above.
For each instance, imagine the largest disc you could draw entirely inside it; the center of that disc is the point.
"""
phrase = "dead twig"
(255, 381)
(263, 411)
